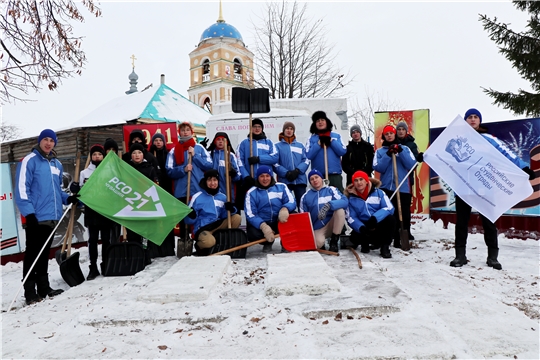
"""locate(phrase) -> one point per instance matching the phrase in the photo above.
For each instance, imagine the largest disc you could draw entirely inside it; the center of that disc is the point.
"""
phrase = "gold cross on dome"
(133, 58)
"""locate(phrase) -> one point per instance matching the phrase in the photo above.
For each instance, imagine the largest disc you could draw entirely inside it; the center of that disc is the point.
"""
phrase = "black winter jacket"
(359, 156)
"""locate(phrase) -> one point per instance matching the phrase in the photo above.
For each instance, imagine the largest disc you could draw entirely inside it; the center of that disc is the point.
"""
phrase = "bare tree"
(38, 45)
(363, 111)
(292, 55)
(9, 132)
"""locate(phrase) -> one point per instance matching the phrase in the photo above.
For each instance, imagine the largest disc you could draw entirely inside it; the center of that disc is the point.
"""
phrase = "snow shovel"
(403, 234)
(61, 255)
(229, 238)
(124, 258)
(297, 233)
(184, 247)
(70, 269)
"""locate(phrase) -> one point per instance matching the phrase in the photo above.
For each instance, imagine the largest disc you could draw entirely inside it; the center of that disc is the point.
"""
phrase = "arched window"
(206, 70)
(207, 104)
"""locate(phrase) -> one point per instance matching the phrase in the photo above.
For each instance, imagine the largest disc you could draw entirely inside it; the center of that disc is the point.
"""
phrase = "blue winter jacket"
(263, 148)
(383, 164)
(218, 160)
(504, 150)
(263, 205)
(208, 208)
(291, 156)
(359, 211)
(312, 201)
(315, 153)
(201, 162)
(38, 187)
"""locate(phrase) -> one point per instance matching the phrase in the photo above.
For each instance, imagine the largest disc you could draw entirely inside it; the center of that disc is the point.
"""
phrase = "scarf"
(180, 148)
(96, 163)
(324, 133)
(261, 136)
(365, 193)
(288, 140)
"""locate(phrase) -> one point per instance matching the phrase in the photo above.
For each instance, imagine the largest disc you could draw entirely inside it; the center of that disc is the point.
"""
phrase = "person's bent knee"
(206, 240)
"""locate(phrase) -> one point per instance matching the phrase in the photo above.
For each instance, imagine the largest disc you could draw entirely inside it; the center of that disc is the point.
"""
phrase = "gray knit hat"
(402, 124)
(356, 128)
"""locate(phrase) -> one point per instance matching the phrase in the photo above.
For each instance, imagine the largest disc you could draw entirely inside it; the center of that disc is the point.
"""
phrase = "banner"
(167, 129)
(8, 222)
(119, 192)
(418, 124)
(481, 176)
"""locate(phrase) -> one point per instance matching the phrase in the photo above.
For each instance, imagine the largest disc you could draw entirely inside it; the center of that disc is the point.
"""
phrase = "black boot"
(44, 289)
(460, 259)
(267, 248)
(492, 259)
(334, 243)
(397, 243)
(385, 251)
(30, 294)
(94, 272)
(364, 247)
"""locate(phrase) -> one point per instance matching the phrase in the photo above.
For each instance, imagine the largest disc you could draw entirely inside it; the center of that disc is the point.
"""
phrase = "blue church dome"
(220, 29)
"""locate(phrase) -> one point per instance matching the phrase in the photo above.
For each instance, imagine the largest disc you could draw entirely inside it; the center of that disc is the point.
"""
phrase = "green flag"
(119, 192)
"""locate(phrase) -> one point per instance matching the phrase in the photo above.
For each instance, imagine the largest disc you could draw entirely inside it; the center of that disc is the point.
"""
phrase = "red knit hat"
(361, 174)
(388, 128)
(186, 123)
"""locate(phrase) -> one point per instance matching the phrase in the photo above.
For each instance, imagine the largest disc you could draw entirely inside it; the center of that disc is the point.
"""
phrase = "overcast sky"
(420, 55)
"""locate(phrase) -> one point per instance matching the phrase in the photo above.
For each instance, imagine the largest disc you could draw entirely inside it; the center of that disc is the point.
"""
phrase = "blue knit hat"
(473, 112)
(314, 172)
(263, 169)
(47, 133)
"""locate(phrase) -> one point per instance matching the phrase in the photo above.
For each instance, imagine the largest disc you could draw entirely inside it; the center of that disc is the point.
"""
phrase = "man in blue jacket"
(209, 212)
(323, 137)
(326, 206)
(463, 210)
(267, 203)
(292, 162)
(383, 163)
(39, 197)
(370, 215)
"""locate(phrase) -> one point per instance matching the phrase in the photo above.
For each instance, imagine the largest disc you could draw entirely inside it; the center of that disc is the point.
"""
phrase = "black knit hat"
(136, 146)
(320, 115)
(257, 121)
(212, 173)
(110, 143)
(97, 148)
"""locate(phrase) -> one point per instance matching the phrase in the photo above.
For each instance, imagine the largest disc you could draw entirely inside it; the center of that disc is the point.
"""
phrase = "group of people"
(267, 180)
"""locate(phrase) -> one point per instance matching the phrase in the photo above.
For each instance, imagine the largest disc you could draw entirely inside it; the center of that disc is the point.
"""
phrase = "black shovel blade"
(229, 238)
(70, 269)
(184, 247)
(259, 101)
(404, 240)
(240, 100)
(60, 256)
(124, 259)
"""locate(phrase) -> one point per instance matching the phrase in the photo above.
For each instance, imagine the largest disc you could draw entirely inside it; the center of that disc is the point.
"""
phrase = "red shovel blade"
(297, 233)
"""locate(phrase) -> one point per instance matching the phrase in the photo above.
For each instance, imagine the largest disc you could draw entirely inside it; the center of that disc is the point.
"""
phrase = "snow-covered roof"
(164, 104)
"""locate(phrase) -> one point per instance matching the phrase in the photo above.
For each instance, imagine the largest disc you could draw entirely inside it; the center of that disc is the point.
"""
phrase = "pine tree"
(523, 51)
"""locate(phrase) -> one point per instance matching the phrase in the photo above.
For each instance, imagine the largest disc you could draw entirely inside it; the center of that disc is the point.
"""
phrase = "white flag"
(478, 173)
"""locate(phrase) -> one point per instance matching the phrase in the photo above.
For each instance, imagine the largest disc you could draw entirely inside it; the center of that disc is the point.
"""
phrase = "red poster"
(167, 129)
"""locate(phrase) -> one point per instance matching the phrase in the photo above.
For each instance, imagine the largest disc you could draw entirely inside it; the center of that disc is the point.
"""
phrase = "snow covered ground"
(411, 306)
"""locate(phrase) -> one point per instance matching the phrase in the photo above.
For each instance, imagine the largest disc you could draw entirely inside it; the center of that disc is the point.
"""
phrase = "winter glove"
(371, 223)
(249, 182)
(289, 176)
(268, 232)
(229, 206)
(253, 160)
(364, 230)
(192, 214)
(31, 220)
(204, 142)
(73, 199)
(420, 157)
(232, 172)
(325, 140)
(531, 173)
(323, 211)
(74, 187)
(394, 149)
(283, 215)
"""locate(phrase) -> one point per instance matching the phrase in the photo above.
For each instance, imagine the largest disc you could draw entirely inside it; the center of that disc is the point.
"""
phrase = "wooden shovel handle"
(394, 164)
(227, 180)
(325, 164)
(69, 232)
(356, 256)
(326, 252)
(239, 247)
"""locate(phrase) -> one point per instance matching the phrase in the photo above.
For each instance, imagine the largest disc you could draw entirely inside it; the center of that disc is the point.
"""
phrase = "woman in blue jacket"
(39, 197)
(382, 163)
(292, 162)
(267, 203)
(370, 215)
(209, 212)
(323, 136)
(326, 206)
